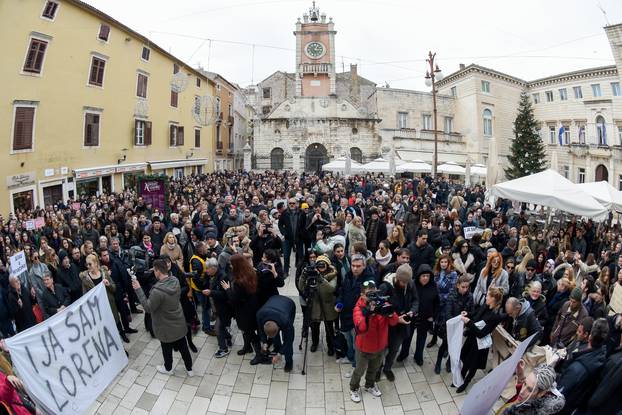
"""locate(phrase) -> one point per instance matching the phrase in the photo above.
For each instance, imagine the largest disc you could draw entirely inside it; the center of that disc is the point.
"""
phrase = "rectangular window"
(402, 120)
(141, 85)
(552, 134)
(104, 32)
(146, 53)
(581, 175)
(563, 94)
(578, 92)
(49, 12)
(566, 172)
(536, 98)
(448, 125)
(427, 122)
(265, 110)
(175, 68)
(91, 129)
(96, 76)
(197, 138)
(267, 93)
(615, 89)
(566, 133)
(454, 91)
(23, 128)
(549, 96)
(199, 82)
(35, 55)
(486, 87)
(218, 138)
(174, 99)
(142, 133)
(176, 136)
(596, 91)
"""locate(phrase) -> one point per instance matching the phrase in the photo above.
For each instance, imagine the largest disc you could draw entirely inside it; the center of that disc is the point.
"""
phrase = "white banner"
(67, 361)
(18, 263)
(485, 393)
(455, 330)
(469, 231)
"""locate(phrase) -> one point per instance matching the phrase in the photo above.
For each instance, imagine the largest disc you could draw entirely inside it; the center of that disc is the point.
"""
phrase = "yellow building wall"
(62, 93)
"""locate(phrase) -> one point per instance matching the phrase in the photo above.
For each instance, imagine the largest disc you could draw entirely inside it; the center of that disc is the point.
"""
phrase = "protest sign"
(30, 225)
(68, 360)
(615, 305)
(469, 231)
(485, 393)
(455, 329)
(75, 205)
(39, 223)
(18, 263)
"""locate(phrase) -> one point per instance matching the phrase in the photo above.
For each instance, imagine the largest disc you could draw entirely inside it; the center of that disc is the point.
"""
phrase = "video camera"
(311, 276)
(382, 306)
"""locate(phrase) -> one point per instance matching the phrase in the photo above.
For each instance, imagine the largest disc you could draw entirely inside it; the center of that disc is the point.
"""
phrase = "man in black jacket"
(607, 398)
(522, 321)
(54, 297)
(576, 382)
(289, 226)
(117, 274)
(277, 315)
(421, 252)
(68, 275)
(400, 288)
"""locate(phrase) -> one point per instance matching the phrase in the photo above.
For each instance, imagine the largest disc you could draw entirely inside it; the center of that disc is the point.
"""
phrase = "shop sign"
(19, 180)
(48, 172)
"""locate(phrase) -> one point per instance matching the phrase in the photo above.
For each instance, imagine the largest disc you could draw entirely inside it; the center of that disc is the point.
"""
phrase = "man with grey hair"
(20, 304)
(220, 302)
(522, 321)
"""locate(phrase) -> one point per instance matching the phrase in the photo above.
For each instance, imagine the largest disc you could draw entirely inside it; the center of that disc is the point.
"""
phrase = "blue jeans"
(205, 311)
(286, 345)
(349, 335)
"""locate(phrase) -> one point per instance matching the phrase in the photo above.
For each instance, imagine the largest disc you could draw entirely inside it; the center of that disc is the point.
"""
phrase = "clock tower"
(315, 54)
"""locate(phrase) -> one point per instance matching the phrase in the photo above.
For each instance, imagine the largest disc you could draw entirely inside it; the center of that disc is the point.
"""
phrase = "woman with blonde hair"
(493, 275)
(172, 250)
(397, 239)
(527, 256)
(356, 233)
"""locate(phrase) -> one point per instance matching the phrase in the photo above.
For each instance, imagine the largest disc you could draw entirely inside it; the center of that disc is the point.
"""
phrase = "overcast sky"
(388, 39)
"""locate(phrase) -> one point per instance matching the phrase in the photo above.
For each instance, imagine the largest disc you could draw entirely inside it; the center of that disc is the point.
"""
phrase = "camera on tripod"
(381, 303)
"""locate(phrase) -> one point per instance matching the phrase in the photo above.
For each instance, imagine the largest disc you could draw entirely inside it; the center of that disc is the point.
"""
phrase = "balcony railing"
(413, 134)
(315, 67)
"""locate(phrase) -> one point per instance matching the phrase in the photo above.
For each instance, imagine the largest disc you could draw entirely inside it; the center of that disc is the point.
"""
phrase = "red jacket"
(372, 331)
(10, 398)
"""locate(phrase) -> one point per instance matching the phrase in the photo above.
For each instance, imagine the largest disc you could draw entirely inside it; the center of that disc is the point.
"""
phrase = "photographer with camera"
(400, 289)
(331, 236)
(318, 284)
(372, 316)
(264, 239)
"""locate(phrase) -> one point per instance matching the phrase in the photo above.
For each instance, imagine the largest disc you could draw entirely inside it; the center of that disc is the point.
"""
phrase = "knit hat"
(323, 258)
(532, 264)
(304, 205)
(62, 254)
(404, 273)
(576, 294)
(212, 235)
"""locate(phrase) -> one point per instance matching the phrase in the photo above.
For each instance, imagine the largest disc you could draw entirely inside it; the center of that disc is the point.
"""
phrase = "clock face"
(315, 50)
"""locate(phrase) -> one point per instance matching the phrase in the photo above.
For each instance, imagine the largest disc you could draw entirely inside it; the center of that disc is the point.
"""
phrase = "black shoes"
(401, 357)
(192, 347)
(432, 342)
(437, 367)
(209, 332)
(261, 359)
(130, 330)
(331, 352)
(124, 338)
(244, 350)
(419, 362)
(288, 367)
(313, 348)
(229, 342)
(462, 388)
(389, 374)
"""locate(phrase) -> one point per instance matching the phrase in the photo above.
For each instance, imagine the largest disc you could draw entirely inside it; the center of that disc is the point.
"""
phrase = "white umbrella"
(478, 170)
(554, 161)
(604, 193)
(450, 168)
(551, 189)
(378, 165)
(415, 166)
(492, 170)
(467, 173)
(339, 165)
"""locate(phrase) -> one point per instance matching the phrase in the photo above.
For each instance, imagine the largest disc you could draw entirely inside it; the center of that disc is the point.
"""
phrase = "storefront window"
(23, 200)
(130, 180)
(107, 184)
(88, 187)
(52, 194)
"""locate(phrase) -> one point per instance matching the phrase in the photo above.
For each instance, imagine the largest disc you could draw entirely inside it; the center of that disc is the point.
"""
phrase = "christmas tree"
(527, 154)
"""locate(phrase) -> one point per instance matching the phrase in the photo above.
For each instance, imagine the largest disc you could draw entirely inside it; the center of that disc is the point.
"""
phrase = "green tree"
(527, 153)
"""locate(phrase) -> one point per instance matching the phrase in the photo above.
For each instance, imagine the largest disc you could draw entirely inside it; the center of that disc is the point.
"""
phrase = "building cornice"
(473, 68)
(601, 71)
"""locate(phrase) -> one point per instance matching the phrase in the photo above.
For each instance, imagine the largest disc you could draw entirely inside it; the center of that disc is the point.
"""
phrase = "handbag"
(36, 310)
(486, 341)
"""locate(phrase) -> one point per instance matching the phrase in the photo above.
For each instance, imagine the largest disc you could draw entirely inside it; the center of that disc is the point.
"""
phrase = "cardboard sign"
(469, 231)
(30, 225)
(39, 223)
(75, 205)
(68, 360)
(18, 263)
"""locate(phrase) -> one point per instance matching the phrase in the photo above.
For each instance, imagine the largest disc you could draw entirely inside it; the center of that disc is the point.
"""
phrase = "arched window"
(276, 159)
(356, 154)
(487, 122)
(601, 133)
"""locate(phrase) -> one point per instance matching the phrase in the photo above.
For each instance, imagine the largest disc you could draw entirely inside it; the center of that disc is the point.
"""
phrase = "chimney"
(355, 87)
(462, 66)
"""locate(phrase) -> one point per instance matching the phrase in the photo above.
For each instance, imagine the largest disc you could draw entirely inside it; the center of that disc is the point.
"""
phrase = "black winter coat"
(70, 279)
(245, 306)
(457, 303)
(576, 383)
(52, 301)
(23, 316)
(607, 398)
(421, 255)
(268, 285)
(471, 356)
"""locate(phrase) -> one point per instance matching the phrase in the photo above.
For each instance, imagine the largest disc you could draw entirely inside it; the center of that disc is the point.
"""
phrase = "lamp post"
(431, 75)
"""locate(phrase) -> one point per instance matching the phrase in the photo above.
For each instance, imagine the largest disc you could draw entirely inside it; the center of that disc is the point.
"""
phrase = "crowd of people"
(377, 261)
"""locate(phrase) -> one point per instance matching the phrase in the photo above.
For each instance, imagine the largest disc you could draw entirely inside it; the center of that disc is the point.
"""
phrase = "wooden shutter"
(22, 129)
(34, 58)
(136, 124)
(91, 129)
(172, 131)
(180, 136)
(174, 99)
(197, 138)
(50, 9)
(104, 32)
(175, 68)
(147, 133)
(97, 72)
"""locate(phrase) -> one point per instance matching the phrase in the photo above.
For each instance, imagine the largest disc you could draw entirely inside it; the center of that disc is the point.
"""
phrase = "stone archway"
(601, 174)
(316, 156)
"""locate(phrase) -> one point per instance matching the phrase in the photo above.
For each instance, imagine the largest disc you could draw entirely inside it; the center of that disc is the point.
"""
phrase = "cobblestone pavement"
(232, 386)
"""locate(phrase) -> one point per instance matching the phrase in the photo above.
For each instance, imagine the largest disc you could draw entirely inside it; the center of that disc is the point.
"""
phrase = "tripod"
(308, 295)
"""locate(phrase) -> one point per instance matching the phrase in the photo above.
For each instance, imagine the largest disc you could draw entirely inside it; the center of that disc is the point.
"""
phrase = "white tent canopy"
(451, 168)
(415, 166)
(605, 194)
(478, 170)
(339, 165)
(549, 188)
(379, 165)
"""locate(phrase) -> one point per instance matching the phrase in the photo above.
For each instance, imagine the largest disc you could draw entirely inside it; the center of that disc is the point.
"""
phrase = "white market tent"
(451, 168)
(415, 166)
(478, 170)
(379, 165)
(339, 165)
(605, 194)
(549, 188)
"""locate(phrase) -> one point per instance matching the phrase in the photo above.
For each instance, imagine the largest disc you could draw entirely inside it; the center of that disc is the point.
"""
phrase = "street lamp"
(431, 76)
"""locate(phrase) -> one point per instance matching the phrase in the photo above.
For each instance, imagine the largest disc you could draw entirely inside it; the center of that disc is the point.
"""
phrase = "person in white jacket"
(492, 275)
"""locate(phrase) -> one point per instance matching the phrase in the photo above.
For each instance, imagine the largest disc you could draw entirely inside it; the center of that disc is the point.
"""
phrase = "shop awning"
(131, 167)
(89, 172)
(170, 164)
